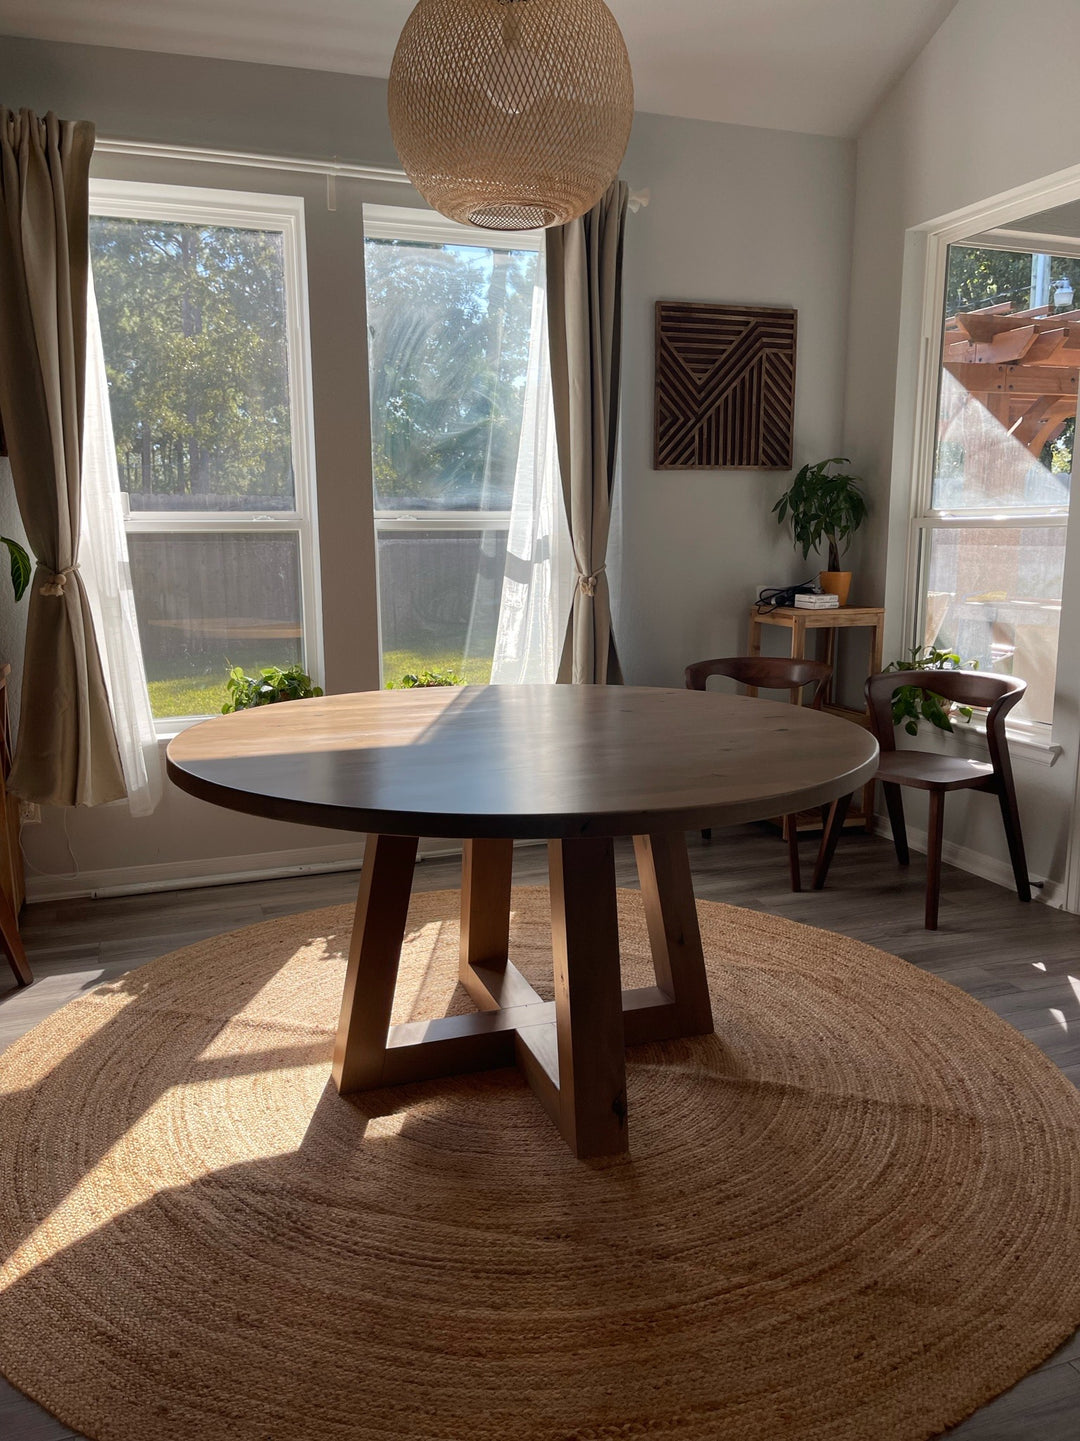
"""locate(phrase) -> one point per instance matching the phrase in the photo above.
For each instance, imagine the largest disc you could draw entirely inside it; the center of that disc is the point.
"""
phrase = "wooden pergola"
(1022, 366)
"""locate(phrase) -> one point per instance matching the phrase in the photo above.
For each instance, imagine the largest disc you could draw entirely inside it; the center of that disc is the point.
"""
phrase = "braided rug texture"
(852, 1214)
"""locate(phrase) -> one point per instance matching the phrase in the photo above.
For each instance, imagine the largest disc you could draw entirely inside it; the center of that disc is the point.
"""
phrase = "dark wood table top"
(523, 761)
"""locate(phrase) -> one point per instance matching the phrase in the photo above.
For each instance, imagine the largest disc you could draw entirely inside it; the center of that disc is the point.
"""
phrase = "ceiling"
(818, 66)
(1062, 220)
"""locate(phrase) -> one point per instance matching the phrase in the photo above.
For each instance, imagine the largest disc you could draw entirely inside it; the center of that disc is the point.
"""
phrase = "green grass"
(397, 663)
(187, 695)
(205, 695)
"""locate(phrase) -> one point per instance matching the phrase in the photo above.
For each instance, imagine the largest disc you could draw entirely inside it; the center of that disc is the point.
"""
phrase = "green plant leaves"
(911, 704)
(20, 566)
(426, 678)
(273, 683)
(823, 508)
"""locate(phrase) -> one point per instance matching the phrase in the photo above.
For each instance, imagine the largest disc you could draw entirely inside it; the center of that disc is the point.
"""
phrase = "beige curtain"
(66, 753)
(584, 278)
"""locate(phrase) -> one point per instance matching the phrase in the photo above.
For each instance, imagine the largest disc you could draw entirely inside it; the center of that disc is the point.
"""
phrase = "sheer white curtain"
(536, 584)
(106, 573)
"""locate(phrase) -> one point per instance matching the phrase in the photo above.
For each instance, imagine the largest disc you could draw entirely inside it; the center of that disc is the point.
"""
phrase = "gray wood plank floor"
(1018, 960)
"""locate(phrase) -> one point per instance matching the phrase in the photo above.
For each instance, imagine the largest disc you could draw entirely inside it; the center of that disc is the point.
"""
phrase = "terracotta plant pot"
(835, 582)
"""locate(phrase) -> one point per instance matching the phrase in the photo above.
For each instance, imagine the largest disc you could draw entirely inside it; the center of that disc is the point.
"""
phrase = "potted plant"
(273, 683)
(911, 704)
(824, 507)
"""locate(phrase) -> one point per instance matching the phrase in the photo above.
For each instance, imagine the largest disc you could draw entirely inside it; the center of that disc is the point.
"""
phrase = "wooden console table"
(845, 617)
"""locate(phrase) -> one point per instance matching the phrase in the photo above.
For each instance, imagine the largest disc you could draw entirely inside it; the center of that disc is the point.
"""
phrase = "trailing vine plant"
(273, 683)
(911, 703)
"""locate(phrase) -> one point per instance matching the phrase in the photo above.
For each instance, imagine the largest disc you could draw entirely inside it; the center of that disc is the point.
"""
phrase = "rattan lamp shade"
(511, 114)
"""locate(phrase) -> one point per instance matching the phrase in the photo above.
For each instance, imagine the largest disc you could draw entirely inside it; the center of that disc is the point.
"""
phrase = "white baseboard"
(320, 860)
(186, 875)
(1051, 893)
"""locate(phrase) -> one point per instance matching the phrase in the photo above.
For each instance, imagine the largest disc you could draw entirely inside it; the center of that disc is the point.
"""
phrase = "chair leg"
(11, 943)
(1010, 815)
(706, 835)
(837, 814)
(934, 829)
(793, 852)
(894, 800)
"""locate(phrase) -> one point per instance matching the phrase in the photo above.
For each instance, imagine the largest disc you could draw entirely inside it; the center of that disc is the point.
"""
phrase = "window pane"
(1007, 406)
(193, 324)
(439, 597)
(994, 596)
(206, 602)
(449, 329)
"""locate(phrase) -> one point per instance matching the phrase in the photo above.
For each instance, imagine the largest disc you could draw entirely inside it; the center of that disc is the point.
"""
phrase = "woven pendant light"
(511, 114)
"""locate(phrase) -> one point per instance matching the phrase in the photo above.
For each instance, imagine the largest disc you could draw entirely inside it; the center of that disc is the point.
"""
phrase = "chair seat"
(937, 774)
(928, 771)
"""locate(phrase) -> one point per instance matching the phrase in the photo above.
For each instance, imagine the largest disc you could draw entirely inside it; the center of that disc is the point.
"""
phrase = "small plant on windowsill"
(426, 678)
(273, 683)
(911, 703)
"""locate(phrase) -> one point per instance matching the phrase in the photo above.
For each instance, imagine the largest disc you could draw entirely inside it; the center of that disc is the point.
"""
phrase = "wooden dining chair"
(11, 944)
(939, 774)
(769, 673)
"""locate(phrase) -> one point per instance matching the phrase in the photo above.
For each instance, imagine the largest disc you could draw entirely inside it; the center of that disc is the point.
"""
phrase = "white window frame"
(403, 222)
(925, 518)
(139, 200)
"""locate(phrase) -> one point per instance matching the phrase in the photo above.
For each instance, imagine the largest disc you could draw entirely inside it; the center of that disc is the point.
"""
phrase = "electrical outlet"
(29, 813)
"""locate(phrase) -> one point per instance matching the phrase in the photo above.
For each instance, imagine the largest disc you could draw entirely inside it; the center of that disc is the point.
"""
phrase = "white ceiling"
(813, 65)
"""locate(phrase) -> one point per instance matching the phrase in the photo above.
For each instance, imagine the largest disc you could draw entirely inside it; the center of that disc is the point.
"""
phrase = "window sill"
(168, 730)
(1023, 745)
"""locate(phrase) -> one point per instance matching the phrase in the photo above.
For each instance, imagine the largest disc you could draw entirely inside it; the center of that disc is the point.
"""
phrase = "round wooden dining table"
(576, 766)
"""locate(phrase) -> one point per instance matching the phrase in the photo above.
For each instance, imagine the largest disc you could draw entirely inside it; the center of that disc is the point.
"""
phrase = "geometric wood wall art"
(725, 386)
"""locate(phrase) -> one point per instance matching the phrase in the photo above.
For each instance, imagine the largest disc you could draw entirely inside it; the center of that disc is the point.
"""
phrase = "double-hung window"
(202, 302)
(991, 522)
(450, 323)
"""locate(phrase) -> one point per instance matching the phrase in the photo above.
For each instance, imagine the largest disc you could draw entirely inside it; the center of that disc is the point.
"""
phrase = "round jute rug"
(852, 1214)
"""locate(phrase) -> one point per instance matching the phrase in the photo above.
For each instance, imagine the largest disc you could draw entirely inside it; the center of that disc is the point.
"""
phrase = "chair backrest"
(984, 689)
(766, 673)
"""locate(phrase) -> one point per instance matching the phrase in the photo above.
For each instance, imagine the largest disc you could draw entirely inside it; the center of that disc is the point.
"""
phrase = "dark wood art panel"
(725, 386)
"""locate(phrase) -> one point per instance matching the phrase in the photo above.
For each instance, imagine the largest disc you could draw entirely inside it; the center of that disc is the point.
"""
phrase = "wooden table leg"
(830, 661)
(588, 997)
(877, 657)
(571, 1050)
(671, 914)
(485, 971)
(753, 645)
(378, 930)
(830, 836)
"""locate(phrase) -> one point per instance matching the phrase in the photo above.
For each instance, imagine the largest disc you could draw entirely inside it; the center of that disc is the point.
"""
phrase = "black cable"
(781, 597)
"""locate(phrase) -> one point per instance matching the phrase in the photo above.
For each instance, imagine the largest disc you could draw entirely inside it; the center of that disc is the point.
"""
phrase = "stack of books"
(816, 602)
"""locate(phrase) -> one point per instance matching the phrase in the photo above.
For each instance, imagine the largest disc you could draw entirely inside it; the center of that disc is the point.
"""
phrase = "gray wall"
(759, 217)
(737, 214)
(216, 104)
(942, 140)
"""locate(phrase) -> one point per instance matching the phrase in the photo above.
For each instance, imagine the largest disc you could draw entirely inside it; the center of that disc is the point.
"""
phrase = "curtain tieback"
(587, 583)
(56, 581)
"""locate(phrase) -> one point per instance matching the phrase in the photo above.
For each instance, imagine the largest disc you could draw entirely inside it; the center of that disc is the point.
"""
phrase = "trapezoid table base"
(572, 1049)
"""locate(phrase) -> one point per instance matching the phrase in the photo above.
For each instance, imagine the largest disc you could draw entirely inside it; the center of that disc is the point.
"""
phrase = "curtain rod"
(331, 168)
